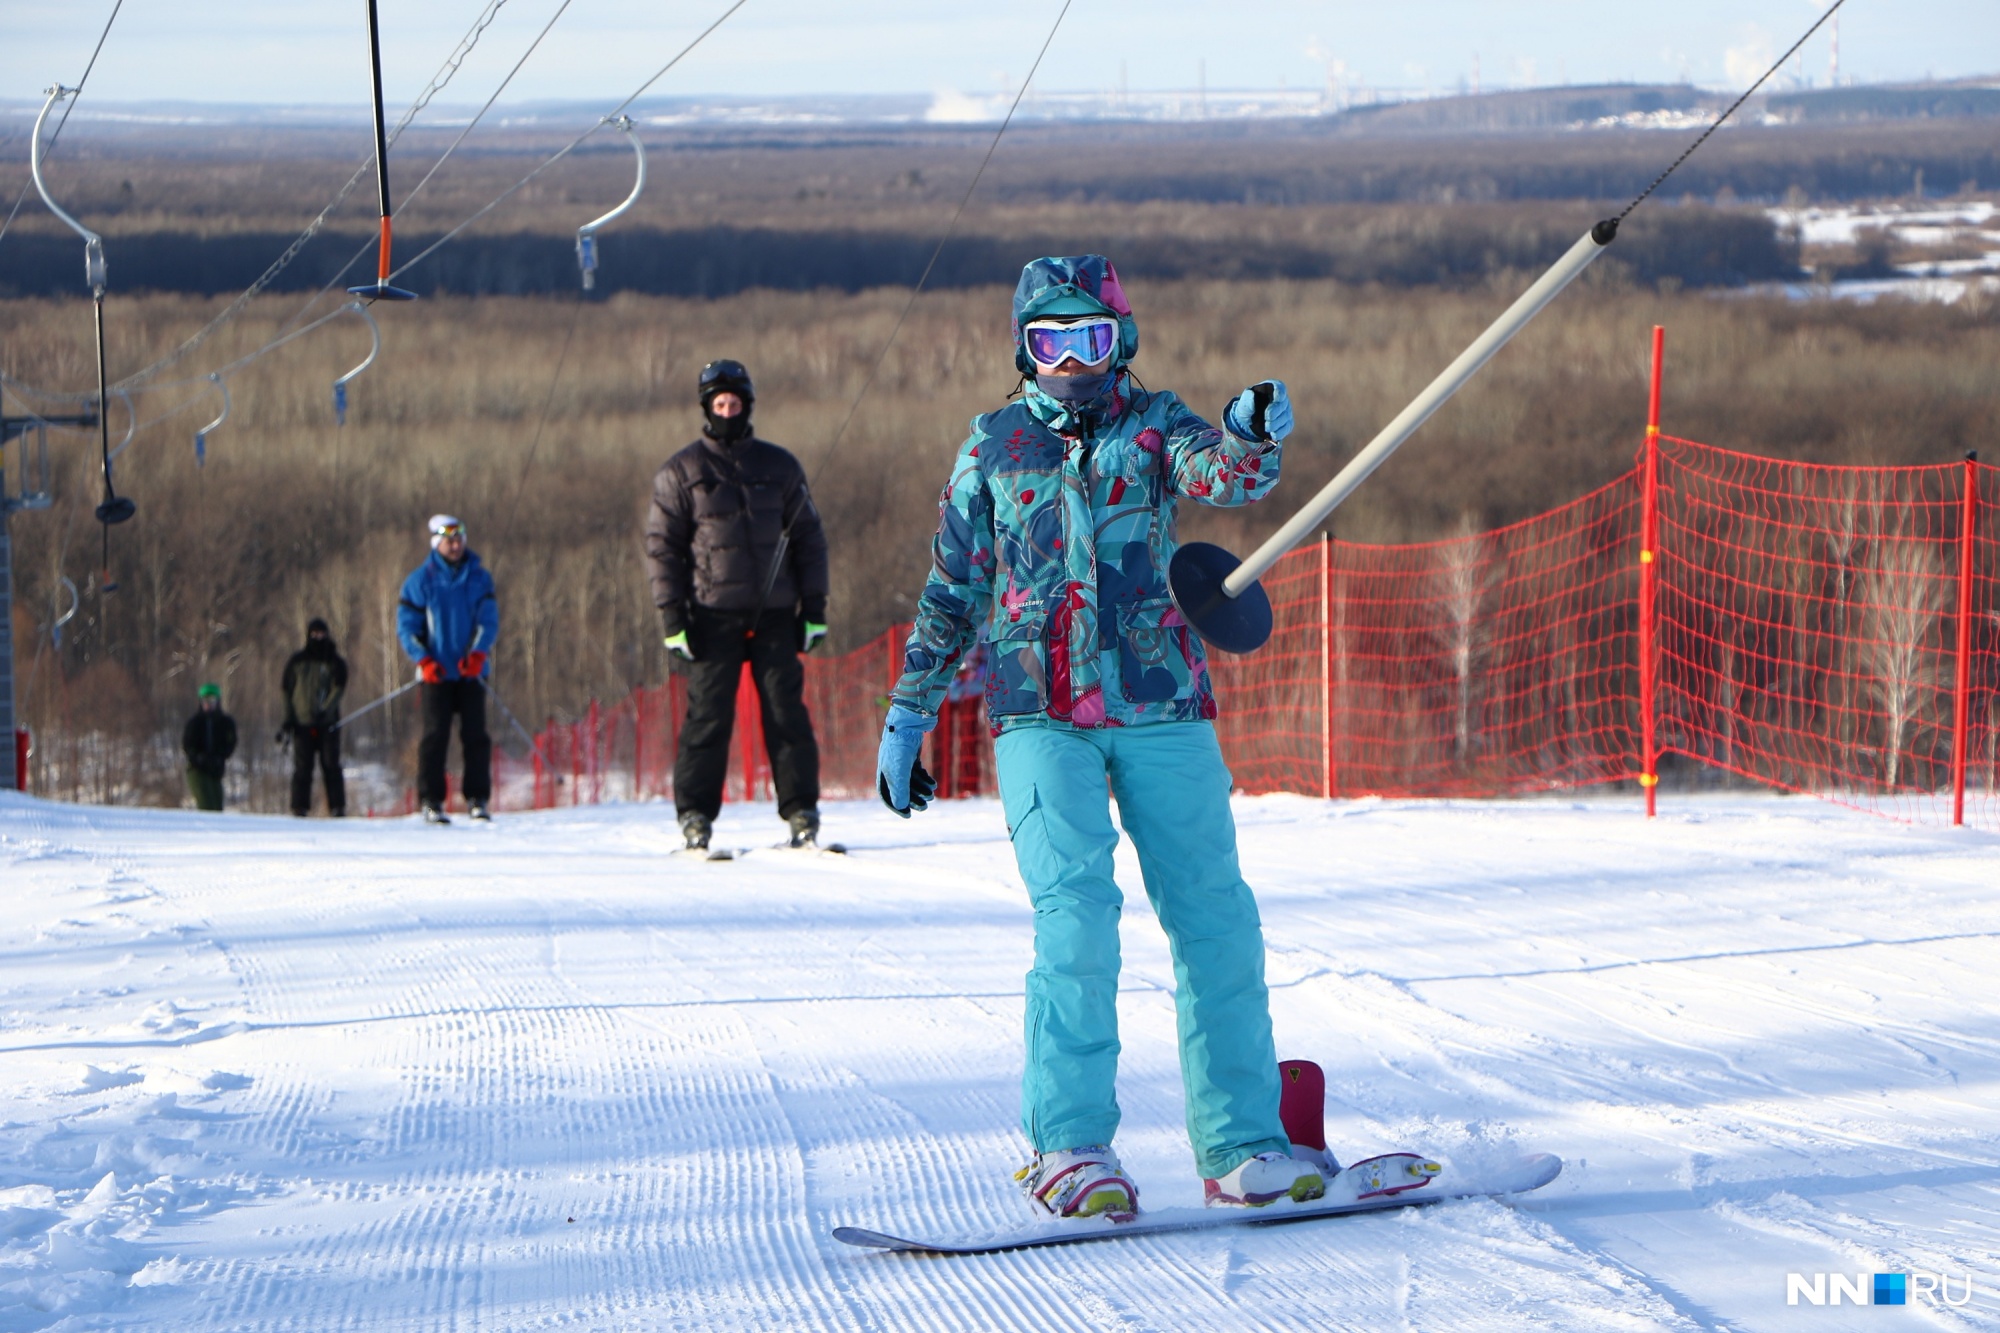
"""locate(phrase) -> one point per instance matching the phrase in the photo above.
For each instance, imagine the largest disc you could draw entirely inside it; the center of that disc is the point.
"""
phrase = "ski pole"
(369, 708)
(508, 713)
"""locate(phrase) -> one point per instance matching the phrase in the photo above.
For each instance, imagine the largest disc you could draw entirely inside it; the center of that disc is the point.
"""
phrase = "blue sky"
(313, 51)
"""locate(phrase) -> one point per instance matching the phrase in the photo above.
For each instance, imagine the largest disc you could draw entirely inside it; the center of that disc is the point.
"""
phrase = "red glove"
(472, 664)
(431, 671)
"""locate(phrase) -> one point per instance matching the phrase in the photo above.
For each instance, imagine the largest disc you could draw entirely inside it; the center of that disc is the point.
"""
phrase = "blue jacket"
(446, 612)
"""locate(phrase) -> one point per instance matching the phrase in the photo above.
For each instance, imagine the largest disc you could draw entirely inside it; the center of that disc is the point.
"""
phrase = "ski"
(1395, 1180)
(816, 848)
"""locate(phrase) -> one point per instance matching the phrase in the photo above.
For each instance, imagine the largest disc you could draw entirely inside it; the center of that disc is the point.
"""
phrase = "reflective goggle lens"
(1049, 344)
(443, 530)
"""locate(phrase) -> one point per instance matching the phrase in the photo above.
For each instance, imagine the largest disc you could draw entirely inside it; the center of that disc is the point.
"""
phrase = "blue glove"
(899, 777)
(1260, 412)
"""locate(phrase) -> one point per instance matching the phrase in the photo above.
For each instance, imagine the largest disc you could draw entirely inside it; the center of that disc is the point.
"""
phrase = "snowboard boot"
(433, 815)
(1079, 1182)
(477, 810)
(1266, 1178)
(805, 827)
(695, 827)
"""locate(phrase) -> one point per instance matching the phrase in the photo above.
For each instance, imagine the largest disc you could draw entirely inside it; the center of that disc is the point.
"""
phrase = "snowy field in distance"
(258, 1073)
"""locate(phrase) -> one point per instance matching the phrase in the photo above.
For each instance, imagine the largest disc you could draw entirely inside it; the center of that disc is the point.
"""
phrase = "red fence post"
(1649, 577)
(1326, 665)
(745, 693)
(1962, 691)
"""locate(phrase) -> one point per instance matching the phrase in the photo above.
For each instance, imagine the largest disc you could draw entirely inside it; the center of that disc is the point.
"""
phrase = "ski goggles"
(1050, 342)
(441, 529)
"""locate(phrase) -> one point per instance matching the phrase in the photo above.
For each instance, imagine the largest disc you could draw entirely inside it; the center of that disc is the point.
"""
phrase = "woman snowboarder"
(1055, 533)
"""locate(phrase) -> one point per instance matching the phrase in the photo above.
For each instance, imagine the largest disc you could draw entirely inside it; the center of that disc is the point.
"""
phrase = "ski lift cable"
(452, 64)
(1220, 596)
(372, 242)
(936, 251)
(785, 534)
(571, 146)
(95, 52)
(548, 401)
(450, 68)
(1790, 51)
(481, 114)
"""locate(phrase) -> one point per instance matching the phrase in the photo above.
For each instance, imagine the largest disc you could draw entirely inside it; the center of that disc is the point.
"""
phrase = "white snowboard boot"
(1265, 1178)
(1079, 1182)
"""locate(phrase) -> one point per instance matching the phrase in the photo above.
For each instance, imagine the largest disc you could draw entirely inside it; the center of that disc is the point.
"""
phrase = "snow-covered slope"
(257, 1073)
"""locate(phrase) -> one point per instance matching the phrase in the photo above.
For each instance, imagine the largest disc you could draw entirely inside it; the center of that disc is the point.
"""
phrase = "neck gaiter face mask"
(1075, 389)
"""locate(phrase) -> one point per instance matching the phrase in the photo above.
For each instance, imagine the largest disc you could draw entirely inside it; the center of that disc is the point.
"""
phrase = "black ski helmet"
(726, 376)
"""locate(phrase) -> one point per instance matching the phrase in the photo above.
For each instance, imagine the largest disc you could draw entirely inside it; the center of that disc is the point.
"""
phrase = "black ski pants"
(465, 700)
(317, 745)
(722, 642)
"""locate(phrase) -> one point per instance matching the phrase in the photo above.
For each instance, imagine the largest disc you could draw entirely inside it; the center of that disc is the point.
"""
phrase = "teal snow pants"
(1173, 798)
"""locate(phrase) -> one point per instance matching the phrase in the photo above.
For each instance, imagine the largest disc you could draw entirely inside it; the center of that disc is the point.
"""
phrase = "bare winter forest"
(540, 418)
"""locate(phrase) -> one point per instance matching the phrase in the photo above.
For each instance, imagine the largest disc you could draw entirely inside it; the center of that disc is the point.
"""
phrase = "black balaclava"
(726, 377)
(322, 646)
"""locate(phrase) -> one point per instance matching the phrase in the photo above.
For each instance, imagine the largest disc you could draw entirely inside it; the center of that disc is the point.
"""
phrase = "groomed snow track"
(269, 1074)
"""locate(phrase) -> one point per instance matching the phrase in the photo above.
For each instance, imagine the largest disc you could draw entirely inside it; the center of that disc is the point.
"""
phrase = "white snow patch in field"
(275, 1074)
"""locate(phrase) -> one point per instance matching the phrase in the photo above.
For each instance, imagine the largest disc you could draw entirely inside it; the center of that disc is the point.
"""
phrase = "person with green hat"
(208, 739)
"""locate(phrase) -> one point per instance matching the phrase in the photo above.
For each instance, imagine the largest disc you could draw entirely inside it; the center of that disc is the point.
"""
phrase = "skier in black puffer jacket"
(719, 510)
(315, 679)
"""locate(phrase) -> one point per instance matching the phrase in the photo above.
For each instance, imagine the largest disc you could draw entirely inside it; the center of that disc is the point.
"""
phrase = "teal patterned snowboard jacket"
(1054, 536)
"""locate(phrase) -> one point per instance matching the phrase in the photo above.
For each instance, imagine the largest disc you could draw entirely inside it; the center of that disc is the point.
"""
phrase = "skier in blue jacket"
(447, 622)
(1055, 532)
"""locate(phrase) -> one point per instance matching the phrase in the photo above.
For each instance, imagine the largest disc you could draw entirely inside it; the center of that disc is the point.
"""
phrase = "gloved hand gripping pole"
(1220, 596)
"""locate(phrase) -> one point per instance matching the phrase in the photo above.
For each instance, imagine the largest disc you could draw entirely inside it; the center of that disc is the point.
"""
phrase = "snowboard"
(1394, 1180)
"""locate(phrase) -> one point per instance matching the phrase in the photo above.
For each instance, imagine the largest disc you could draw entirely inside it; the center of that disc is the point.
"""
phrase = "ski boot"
(695, 827)
(433, 815)
(1079, 1182)
(476, 810)
(805, 827)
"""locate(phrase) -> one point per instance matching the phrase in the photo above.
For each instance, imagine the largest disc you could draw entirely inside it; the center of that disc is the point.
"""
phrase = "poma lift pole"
(1221, 597)
(380, 290)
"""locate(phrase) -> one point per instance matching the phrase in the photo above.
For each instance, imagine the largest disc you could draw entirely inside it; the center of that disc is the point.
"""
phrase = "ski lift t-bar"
(380, 290)
(1222, 599)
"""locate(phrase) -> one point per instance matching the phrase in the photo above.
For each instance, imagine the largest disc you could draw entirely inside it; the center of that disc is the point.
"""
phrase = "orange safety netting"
(1809, 627)
(1815, 629)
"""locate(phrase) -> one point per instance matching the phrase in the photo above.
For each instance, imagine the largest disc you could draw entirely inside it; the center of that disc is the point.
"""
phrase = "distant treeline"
(1821, 163)
(1695, 247)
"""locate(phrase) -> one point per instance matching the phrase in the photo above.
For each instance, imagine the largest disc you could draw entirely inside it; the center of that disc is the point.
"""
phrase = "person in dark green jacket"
(208, 739)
